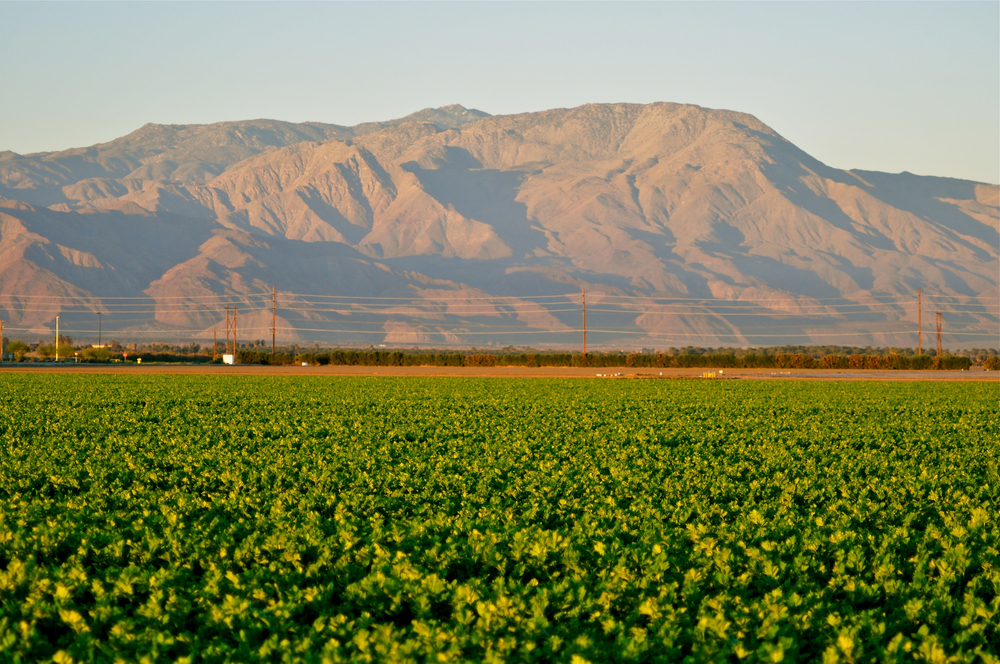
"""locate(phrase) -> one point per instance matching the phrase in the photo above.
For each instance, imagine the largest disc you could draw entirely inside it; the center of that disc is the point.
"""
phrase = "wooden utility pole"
(230, 329)
(583, 295)
(57, 338)
(274, 310)
(920, 330)
(938, 322)
(215, 343)
(235, 314)
(1, 340)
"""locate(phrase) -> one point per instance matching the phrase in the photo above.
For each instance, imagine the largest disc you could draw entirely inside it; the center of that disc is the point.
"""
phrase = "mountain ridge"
(630, 201)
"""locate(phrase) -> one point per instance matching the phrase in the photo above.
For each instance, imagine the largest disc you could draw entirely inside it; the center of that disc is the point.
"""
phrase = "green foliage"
(835, 362)
(96, 354)
(952, 362)
(46, 351)
(18, 349)
(480, 360)
(246, 356)
(230, 518)
(384, 358)
(992, 363)
(916, 362)
(725, 360)
(148, 357)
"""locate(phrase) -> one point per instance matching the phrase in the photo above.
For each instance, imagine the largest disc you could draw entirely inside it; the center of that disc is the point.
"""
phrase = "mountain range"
(680, 225)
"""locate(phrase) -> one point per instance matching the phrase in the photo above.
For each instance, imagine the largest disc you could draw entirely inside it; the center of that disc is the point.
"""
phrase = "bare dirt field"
(616, 373)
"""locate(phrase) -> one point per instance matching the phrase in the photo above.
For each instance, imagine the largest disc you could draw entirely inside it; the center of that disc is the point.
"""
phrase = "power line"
(430, 307)
(440, 312)
(509, 331)
(426, 296)
(614, 331)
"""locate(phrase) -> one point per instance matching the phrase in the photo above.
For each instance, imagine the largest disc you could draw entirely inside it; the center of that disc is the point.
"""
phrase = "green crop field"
(242, 519)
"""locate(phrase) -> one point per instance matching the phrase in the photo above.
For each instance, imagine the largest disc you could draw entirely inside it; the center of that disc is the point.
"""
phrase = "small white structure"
(229, 359)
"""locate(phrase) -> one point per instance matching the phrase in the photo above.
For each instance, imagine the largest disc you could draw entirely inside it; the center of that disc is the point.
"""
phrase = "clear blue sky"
(882, 86)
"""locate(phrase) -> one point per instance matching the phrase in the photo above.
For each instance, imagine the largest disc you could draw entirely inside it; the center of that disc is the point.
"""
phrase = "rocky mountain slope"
(685, 225)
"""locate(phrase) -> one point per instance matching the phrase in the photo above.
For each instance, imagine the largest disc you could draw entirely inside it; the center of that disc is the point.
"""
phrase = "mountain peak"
(451, 116)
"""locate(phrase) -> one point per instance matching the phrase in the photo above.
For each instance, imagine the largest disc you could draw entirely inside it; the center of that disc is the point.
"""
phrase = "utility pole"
(274, 310)
(235, 314)
(99, 342)
(227, 329)
(1, 340)
(215, 343)
(938, 322)
(57, 338)
(583, 294)
(920, 330)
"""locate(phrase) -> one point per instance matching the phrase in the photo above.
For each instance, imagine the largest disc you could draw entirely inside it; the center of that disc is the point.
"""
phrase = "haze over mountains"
(685, 225)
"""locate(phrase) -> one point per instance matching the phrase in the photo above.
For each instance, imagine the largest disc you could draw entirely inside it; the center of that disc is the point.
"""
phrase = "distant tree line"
(600, 360)
(776, 357)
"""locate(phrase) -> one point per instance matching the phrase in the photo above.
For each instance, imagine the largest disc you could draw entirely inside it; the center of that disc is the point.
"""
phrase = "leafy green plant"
(235, 518)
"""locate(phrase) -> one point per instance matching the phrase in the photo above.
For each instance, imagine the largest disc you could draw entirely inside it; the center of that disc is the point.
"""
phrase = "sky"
(895, 86)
